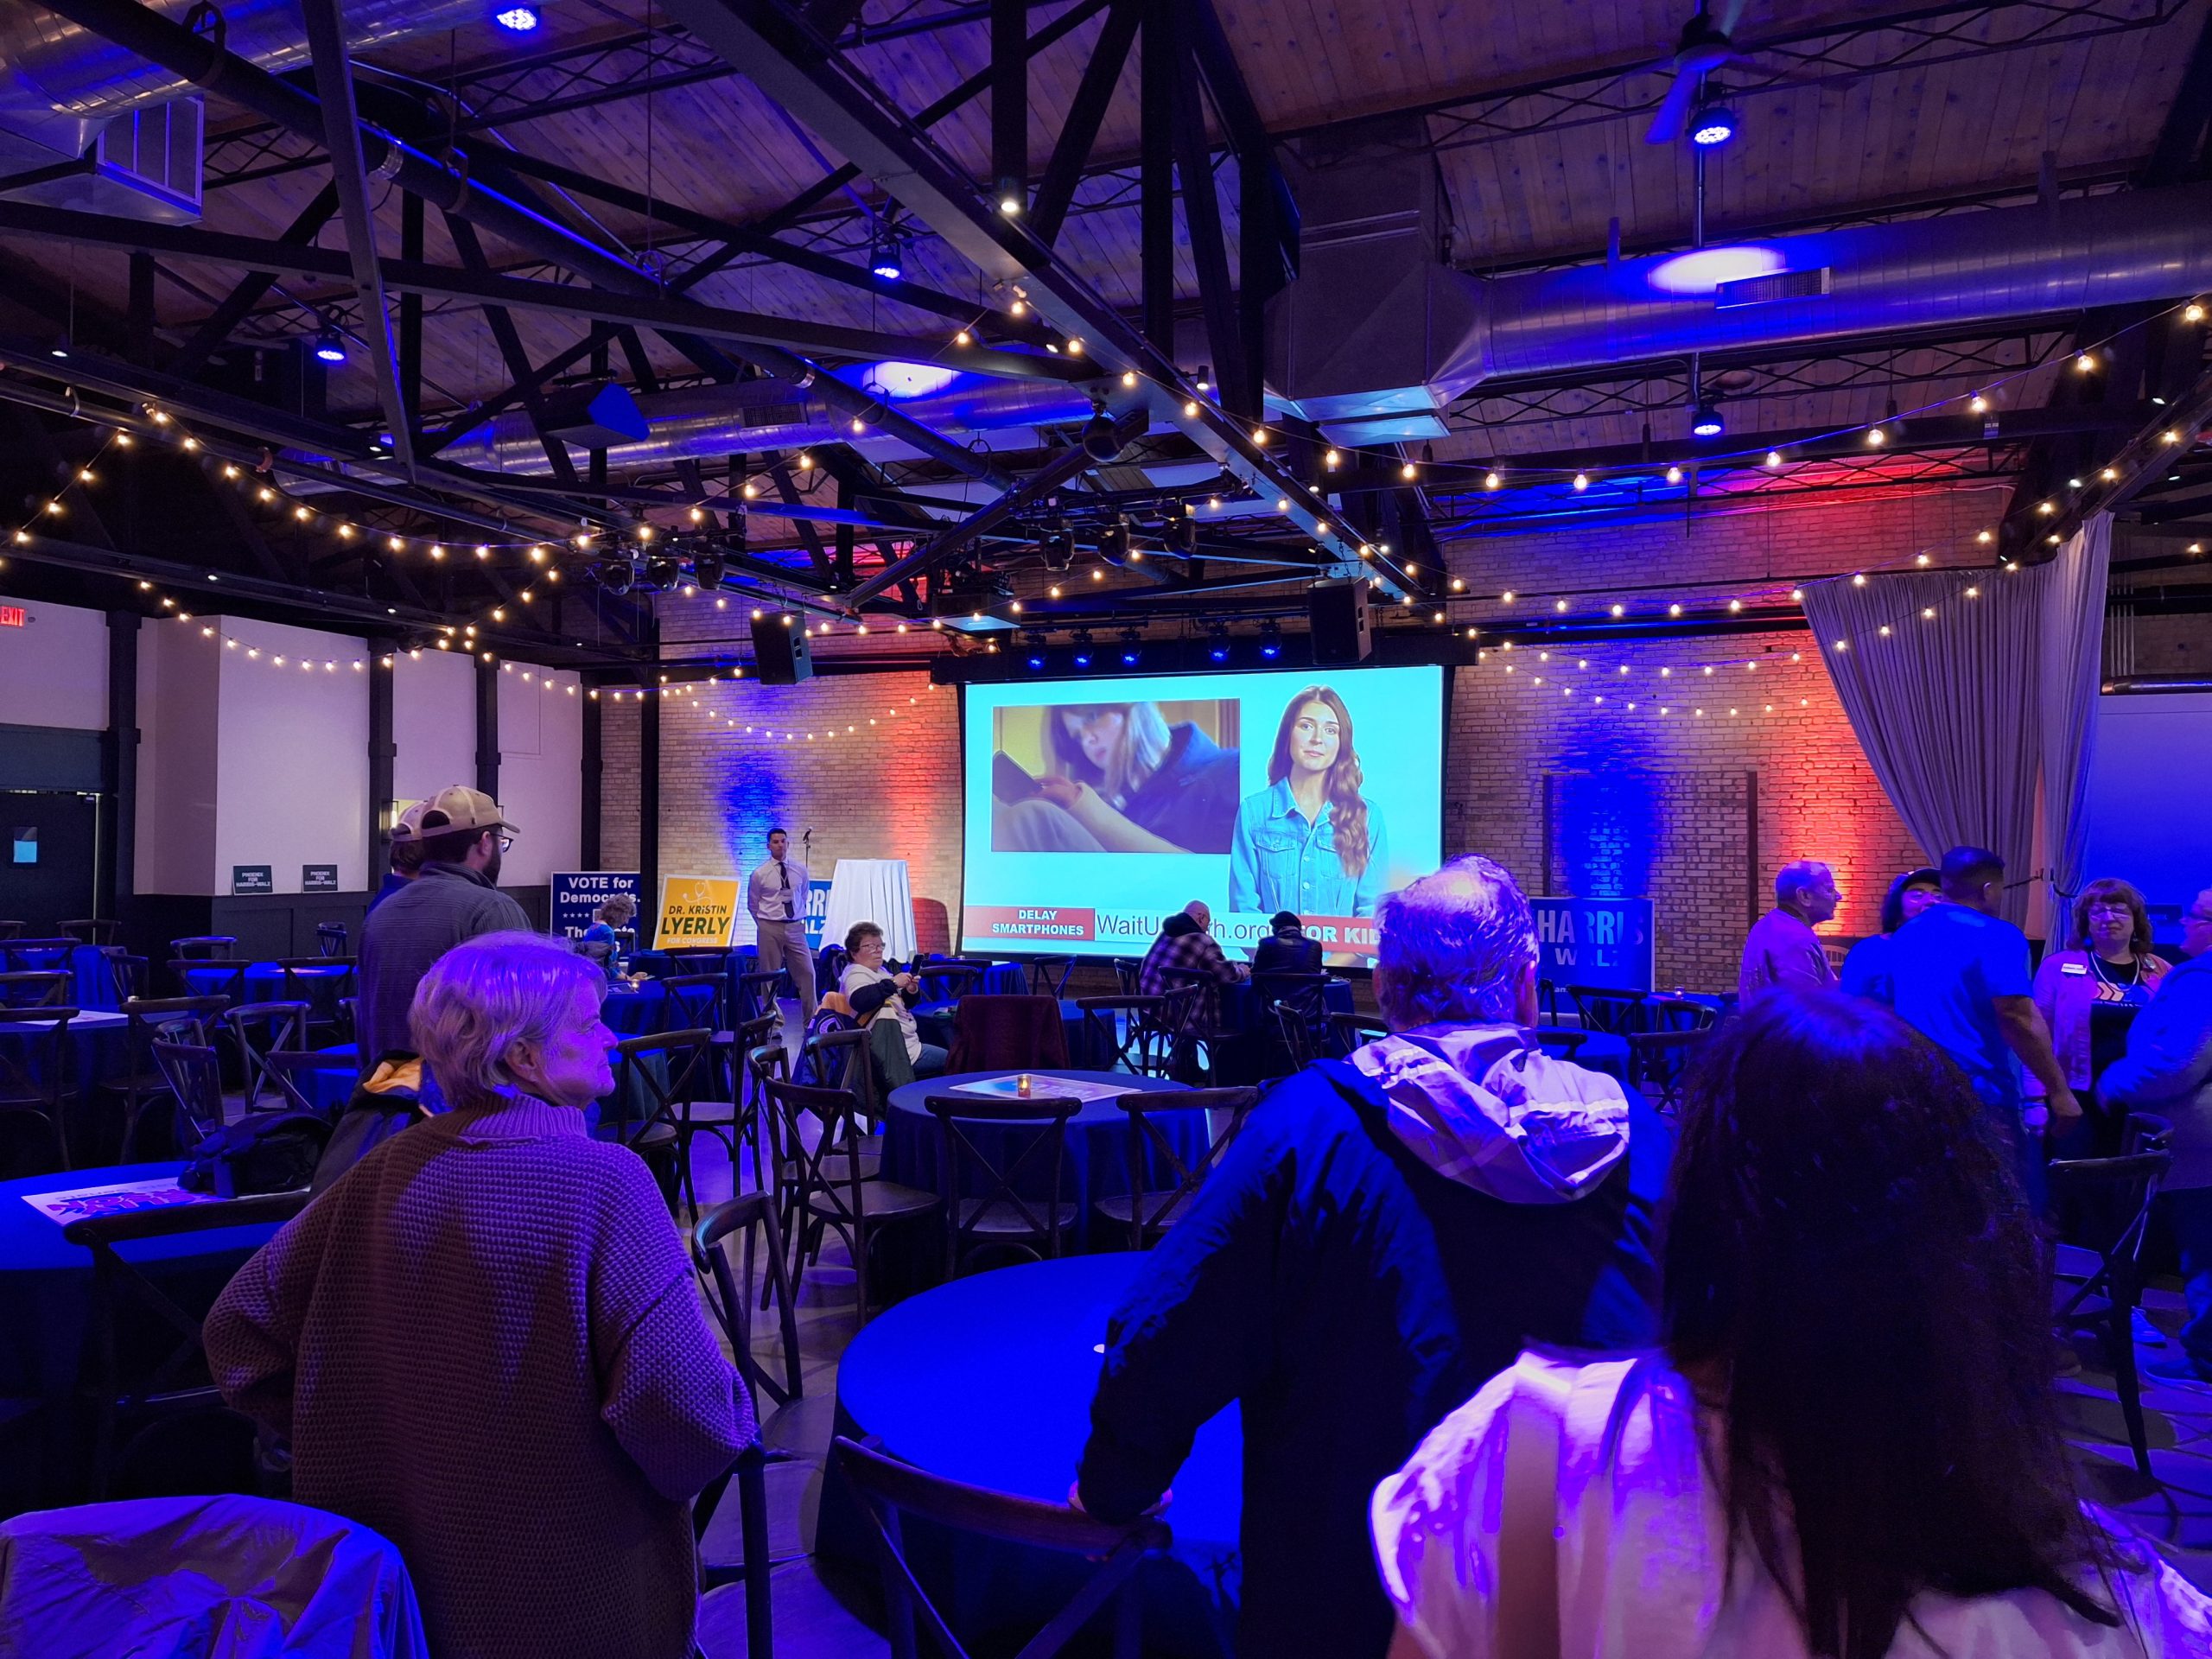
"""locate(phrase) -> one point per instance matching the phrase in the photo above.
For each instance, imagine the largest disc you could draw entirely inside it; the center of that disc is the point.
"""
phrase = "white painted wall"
(179, 676)
(541, 771)
(433, 724)
(54, 669)
(292, 770)
(2149, 821)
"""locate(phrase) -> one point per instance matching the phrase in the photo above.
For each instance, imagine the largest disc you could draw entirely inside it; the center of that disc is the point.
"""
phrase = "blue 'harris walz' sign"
(1600, 941)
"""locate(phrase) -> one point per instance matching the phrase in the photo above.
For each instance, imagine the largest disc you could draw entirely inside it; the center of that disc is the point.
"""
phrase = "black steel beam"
(2140, 462)
(768, 223)
(502, 325)
(1209, 253)
(849, 114)
(1046, 478)
(341, 131)
(1094, 95)
(744, 239)
(1160, 74)
(749, 331)
(1010, 102)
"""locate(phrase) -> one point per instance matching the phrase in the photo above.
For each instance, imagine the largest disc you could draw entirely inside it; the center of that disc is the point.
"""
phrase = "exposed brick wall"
(1646, 804)
(878, 777)
(618, 804)
(1653, 803)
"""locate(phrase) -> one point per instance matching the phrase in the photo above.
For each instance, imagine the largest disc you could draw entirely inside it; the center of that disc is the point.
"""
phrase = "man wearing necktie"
(776, 894)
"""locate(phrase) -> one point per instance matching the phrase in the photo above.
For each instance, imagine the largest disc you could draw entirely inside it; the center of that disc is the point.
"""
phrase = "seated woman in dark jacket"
(1119, 779)
(871, 988)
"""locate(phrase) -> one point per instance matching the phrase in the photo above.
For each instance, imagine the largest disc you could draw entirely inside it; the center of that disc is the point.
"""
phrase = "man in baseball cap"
(455, 837)
(406, 853)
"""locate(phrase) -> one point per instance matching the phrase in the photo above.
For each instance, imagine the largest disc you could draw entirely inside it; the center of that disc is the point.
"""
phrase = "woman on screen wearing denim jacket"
(1310, 842)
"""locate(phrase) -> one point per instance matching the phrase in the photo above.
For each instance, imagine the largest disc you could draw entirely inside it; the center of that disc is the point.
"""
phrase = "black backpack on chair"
(266, 1152)
(385, 1102)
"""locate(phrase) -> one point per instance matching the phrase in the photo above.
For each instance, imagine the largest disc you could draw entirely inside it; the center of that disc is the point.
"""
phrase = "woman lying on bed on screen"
(1311, 842)
(1119, 779)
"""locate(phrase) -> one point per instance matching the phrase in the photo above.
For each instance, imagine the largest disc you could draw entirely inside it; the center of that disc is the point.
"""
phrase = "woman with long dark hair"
(1866, 971)
(1848, 1447)
(1310, 842)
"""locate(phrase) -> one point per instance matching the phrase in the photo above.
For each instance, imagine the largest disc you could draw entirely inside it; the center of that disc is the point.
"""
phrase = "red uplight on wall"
(11, 616)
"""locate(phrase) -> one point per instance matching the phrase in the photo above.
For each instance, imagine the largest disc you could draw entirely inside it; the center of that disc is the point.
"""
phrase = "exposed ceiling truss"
(943, 515)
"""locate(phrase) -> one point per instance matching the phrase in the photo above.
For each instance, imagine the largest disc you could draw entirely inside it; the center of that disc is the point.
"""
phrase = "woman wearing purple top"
(485, 1342)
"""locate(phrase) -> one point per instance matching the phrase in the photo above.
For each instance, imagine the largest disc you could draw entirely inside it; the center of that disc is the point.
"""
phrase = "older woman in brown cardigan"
(484, 1339)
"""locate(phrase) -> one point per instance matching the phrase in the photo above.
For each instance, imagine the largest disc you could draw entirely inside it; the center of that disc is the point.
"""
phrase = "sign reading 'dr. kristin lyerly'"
(696, 910)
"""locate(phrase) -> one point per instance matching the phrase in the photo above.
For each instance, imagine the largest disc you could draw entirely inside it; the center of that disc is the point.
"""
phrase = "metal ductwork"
(703, 422)
(1380, 335)
(133, 129)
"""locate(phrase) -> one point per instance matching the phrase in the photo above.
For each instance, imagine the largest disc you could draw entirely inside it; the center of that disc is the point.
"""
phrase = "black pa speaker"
(779, 653)
(1337, 611)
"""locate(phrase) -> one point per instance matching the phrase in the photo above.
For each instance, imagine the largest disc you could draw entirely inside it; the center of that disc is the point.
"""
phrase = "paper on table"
(78, 1203)
(1043, 1085)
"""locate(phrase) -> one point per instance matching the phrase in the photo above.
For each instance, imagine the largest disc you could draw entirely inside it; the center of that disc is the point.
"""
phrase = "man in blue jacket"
(1386, 1235)
(2167, 1071)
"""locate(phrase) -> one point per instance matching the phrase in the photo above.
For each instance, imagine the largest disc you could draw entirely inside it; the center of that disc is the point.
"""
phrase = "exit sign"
(11, 616)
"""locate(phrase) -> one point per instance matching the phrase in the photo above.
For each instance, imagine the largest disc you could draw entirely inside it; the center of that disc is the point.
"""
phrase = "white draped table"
(872, 890)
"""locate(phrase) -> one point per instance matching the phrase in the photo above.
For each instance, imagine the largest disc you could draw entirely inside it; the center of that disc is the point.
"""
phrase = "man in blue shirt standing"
(1962, 982)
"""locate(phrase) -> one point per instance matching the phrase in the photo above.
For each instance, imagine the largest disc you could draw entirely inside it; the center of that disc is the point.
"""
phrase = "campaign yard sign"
(578, 894)
(696, 910)
(1597, 941)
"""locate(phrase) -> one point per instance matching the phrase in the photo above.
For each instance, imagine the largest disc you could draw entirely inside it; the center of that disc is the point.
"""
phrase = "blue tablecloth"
(989, 1380)
(1241, 1010)
(1097, 1162)
(45, 1281)
(95, 978)
(321, 987)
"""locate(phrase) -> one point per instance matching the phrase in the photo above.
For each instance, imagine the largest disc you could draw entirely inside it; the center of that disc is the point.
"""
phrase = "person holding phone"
(1118, 778)
(1310, 842)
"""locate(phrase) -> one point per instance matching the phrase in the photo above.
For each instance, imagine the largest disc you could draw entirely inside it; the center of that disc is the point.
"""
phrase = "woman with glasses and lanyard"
(2109, 964)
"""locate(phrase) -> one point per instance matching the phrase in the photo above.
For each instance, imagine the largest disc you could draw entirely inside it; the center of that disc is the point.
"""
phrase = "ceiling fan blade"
(1674, 114)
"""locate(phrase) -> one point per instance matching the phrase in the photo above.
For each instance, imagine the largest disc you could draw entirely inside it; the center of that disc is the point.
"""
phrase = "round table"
(989, 1380)
(45, 1281)
(1098, 1164)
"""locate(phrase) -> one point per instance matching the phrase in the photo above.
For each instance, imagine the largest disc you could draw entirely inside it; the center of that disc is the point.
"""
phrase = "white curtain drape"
(2072, 659)
(1983, 679)
(1944, 704)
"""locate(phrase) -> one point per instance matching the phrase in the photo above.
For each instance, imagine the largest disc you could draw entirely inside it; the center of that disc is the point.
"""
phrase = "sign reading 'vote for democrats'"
(696, 910)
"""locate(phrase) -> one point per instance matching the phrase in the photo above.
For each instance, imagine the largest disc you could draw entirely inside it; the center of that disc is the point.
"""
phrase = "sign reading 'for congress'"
(696, 910)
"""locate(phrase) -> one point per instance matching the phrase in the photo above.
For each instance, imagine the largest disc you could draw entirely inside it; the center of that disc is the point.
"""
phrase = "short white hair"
(1804, 872)
(1453, 946)
(485, 995)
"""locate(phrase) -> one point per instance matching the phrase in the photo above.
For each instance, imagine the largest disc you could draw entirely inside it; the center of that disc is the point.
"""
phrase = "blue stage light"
(1036, 665)
(1271, 651)
(1129, 658)
(1702, 269)
(1219, 653)
(1712, 126)
(1083, 659)
(887, 267)
(330, 345)
(517, 20)
(1705, 422)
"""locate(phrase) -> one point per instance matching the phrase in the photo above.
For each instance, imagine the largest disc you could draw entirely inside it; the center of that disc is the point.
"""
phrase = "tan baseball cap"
(410, 826)
(458, 807)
